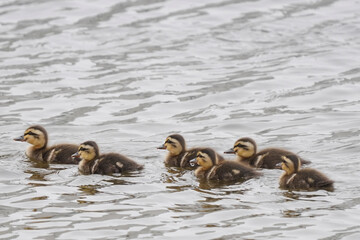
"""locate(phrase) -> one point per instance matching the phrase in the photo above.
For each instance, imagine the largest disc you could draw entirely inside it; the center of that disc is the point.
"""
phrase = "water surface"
(129, 73)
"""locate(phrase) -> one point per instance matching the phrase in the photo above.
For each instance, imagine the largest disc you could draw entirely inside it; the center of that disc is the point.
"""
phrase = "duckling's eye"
(171, 142)
(83, 149)
(32, 134)
(241, 146)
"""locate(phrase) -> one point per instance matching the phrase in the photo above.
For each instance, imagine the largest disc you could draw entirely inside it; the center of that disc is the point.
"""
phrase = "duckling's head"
(290, 164)
(35, 135)
(87, 151)
(175, 144)
(206, 158)
(243, 148)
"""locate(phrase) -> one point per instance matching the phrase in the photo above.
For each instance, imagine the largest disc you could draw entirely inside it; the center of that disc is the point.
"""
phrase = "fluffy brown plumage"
(94, 163)
(245, 149)
(38, 138)
(211, 168)
(295, 178)
(178, 155)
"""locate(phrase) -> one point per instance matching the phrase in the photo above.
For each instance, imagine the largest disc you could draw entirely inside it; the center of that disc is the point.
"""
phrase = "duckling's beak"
(76, 156)
(230, 151)
(278, 165)
(193, 162)
(20, 139)
(162, 147)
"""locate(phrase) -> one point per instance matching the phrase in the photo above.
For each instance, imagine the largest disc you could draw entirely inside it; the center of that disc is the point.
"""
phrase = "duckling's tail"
(140, 167)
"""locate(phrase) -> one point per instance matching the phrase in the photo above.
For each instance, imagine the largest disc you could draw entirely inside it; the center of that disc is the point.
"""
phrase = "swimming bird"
(38, 138)
(245, 149)
(94, 163)
(295, 178)
(179, 155)
(210, 168)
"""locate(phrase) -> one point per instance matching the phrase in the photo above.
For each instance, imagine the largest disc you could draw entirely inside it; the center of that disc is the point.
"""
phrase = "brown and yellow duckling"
(94, 163)
(178, 155)
(210, 168)
(246, 151)
(38, 138)
(295, 178)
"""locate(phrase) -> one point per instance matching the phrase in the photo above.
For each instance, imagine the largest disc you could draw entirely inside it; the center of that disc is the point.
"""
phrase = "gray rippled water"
(128, 73)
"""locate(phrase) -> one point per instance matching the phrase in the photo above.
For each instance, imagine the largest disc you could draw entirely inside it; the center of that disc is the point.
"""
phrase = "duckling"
(178, 155)
(38, 138)
(295, 178)
(245, 149)
(94, 163)
(210, 168)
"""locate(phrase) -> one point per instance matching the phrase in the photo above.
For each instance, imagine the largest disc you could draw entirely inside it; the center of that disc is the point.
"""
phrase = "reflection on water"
(208, 185)
(89, 189)
(127, 74)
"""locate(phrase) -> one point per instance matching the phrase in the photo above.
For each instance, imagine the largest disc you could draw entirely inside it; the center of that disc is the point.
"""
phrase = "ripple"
(128, 74)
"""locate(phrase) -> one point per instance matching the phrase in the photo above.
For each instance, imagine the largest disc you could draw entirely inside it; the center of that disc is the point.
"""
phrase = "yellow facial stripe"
(170, 140)
(241, 144)
(32, 131)
(86, 152)
(173, 146)
(83, 148)
(287, 165)
(35, 137)
(204, 160)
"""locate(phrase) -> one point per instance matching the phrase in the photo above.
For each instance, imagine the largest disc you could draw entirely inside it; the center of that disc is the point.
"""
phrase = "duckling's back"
(182, 160)
(270, 158)
(307, 179)
(115, 163)
(61, 153)
(231, 170)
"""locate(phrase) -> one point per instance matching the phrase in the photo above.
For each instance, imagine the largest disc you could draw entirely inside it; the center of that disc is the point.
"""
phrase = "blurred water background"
(129, 73)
